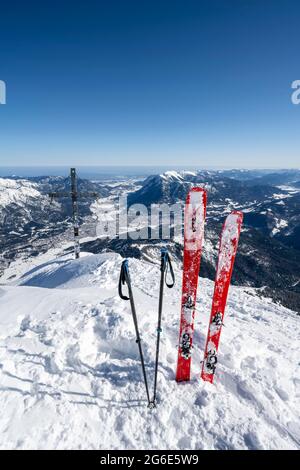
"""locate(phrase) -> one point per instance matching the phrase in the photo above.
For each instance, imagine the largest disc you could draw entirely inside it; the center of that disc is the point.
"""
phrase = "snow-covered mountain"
(271, 207)
(269, 252)
(29, 220)
(70, 374)
(19, 200)
(17, 192)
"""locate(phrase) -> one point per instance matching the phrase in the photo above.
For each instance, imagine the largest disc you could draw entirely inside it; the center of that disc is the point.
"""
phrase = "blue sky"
(150, 82)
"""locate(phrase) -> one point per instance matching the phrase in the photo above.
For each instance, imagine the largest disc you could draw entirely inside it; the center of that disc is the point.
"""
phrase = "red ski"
(227, 251)
(194, 218)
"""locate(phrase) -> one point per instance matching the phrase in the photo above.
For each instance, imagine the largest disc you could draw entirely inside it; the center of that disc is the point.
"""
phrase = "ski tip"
(238, 214)
(234, 218)
(197, 189)
(196, 195)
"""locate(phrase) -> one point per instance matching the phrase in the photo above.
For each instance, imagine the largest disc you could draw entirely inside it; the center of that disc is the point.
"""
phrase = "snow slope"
(70, 374)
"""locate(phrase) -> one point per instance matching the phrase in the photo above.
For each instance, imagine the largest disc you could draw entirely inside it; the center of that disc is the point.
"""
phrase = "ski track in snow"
(70, 375)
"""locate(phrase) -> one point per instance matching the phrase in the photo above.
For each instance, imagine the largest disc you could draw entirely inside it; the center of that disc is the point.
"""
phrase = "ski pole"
(125, 279)
(164, 266)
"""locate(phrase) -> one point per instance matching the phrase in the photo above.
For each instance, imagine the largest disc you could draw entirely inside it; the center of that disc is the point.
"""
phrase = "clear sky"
(136, 82)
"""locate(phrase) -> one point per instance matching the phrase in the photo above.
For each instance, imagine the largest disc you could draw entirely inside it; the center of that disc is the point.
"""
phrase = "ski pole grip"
(167, 265)
(123, 279)
(170, 284)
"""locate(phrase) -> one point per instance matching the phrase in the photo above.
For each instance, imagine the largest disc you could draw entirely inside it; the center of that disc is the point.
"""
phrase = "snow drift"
(70, 374)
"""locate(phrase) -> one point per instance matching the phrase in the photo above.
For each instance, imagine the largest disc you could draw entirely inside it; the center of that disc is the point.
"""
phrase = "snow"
(189, 173)
(289, 188)
(281, 196)
(279, 224)
(172, 175)
(70, 375)
(64, 272)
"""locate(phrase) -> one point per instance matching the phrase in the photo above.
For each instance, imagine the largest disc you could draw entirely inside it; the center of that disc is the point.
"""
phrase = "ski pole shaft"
(160, 303)
(125, 278)
(165, 263)
(138, 339)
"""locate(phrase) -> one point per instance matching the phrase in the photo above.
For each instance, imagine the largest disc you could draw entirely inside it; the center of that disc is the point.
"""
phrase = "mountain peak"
(172, 175)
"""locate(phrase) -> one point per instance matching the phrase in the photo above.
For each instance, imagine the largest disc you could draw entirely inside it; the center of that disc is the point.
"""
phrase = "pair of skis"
(165, 267)
(194, 219)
